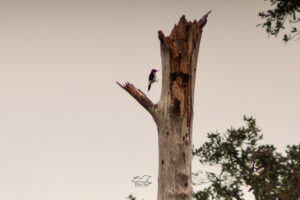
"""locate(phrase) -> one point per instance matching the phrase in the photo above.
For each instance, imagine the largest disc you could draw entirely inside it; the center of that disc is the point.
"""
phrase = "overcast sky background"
(68, 131)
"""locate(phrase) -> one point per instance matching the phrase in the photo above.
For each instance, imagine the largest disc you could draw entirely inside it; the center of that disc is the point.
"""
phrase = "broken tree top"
(179, 52)
(181, 26)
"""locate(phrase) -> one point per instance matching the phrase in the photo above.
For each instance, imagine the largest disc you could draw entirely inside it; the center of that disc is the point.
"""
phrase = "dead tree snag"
(173, 114)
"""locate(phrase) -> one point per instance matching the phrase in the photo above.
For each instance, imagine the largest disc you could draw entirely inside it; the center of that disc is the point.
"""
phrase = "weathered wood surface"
(173, 113)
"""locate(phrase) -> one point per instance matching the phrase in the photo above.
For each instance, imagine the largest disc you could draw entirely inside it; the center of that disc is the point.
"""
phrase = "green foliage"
(276, 17)
(131, 197)
(243, 162)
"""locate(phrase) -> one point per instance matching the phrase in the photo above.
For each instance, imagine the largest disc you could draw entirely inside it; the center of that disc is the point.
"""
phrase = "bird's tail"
(149, 86)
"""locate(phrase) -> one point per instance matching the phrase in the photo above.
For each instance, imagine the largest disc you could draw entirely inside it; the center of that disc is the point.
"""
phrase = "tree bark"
(173, 114)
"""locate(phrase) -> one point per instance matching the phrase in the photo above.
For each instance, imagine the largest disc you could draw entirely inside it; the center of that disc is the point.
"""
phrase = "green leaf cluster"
(275, 19)
(244, 162)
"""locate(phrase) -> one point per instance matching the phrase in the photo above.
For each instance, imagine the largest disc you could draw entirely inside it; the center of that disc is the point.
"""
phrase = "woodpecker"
(152, 78)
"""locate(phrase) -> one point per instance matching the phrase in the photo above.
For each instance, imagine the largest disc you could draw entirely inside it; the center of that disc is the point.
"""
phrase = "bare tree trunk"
(173, 114)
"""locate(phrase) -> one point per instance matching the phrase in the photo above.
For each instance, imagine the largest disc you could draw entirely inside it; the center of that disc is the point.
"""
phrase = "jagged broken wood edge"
(201, 23)
(137, 93)
(140, 97)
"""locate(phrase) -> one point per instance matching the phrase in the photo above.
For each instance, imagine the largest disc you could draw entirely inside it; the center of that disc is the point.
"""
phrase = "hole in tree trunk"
(176, 106)
(173, 77)
(185, 78)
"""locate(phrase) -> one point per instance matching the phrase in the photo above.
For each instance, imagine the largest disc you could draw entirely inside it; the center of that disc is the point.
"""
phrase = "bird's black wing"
(151, 76)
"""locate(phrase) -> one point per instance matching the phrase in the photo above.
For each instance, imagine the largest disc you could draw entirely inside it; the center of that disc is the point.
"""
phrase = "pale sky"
(69, 132)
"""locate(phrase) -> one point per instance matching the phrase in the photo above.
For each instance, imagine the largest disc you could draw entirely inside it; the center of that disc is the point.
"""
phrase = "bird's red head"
(154, 71)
